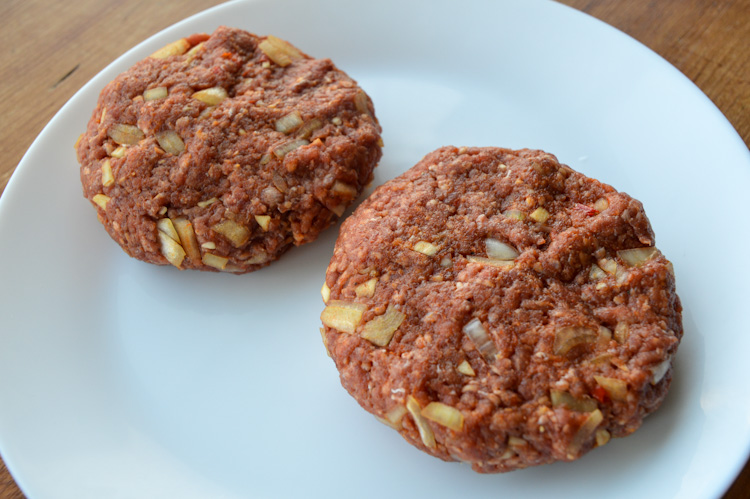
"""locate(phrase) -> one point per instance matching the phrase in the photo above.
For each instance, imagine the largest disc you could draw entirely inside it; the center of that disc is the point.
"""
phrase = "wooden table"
(50, 49)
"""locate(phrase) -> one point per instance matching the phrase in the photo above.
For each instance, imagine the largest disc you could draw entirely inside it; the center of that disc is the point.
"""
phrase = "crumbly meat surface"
(221, 152)
(498, 308)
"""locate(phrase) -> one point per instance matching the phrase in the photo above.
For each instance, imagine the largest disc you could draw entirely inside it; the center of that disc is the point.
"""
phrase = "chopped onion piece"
(207, 202)
(288, 147)
(584, 432)
(425, 432)
(101, 200)
(187, 237)
(237, 233)
(171, 249)
(127, 135)
(119, 152)
(444, 415)
(601, 204)
(660, 370)
(366, 289)
(515, 214)
(617, 389)
(206, 112)
(339, 209)
(193, 52)
(596, 273)
(170, 142)
(465, 368)
(155, 93)
(215, 261)
(608, 265)
(309, 128)
(637, 256)
(560, 398)
(107, 178)
(289, 123)
(498, 250)
(503, 264)
(394, 416)
(175, 48)
(279, 182)
(481, 339)
(602, 437)
(211, 96)
(166, 226)
(517, 442)
(539, 215)
(600, 359)
(360, 102)
(257, 258)
(325, 292)
(622, 331)
(426, 248)
(343, 316)
(209, 245)
(567, 338)
(325, 340)
(605, 335)
(345, 189)
(263, 221)
(621, 275)
(279, 51)
(396, 425)
(381, 329)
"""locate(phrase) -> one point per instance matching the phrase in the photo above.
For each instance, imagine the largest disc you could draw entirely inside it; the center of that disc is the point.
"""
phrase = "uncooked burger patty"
(220, 152)
(498, 308)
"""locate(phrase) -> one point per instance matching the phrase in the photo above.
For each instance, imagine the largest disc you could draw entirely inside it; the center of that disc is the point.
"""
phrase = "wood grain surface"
(50, 49)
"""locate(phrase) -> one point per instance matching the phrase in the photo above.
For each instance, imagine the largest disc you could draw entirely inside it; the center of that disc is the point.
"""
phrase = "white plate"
(121, 379)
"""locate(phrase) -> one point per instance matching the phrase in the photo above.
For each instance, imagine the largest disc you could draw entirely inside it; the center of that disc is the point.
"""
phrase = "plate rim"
(25, 164)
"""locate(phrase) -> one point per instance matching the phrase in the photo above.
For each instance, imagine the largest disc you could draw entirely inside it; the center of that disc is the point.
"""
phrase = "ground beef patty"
(498, 308)
(219, 152)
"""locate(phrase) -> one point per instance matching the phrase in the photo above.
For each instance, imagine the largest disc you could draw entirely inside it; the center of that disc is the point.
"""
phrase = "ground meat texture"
(498, 308)
(221, 152)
